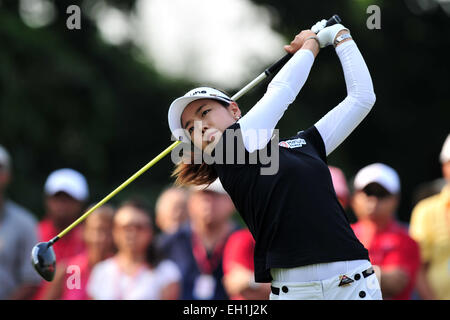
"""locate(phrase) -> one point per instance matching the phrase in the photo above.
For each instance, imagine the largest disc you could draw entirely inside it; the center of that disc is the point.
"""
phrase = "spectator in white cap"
(374, 202)
(197, 247)
(18, 235)
(5, 159)
(66, 194)
(430, 227)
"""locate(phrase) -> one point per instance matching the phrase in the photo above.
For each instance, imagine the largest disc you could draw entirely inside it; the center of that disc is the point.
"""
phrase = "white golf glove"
(319, 26)
(327, 35)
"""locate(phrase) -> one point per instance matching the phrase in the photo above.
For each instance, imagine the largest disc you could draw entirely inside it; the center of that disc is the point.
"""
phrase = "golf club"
(43, 256)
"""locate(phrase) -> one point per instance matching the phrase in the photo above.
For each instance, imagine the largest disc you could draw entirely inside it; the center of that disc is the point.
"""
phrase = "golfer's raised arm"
(258, 124)
(337, 124)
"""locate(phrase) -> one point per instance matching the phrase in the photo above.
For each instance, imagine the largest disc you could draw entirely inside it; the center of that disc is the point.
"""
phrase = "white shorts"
(354, 283)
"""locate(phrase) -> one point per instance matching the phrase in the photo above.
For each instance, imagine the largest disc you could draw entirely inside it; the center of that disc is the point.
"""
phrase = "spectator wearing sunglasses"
(137, 271)
(374, 202)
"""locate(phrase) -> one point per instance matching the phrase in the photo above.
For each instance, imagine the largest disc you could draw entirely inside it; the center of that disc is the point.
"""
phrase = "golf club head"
(44, 260)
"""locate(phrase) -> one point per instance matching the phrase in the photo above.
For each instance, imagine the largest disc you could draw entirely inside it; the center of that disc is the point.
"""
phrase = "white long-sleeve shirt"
(258, 124)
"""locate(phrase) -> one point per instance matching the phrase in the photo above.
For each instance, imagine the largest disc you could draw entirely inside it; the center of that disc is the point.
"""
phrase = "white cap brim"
(178, 105)
(379, 173)
(68, 181)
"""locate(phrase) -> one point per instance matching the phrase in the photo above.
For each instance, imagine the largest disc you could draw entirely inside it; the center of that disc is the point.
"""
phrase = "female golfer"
(304, 244)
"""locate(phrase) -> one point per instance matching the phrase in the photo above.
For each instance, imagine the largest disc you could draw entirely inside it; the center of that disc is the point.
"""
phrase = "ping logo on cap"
(199, 92)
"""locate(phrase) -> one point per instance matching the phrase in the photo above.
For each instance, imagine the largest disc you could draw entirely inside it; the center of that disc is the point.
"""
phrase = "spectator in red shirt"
(72, 275)
(238, 268)
(66, 193)
(374, 202)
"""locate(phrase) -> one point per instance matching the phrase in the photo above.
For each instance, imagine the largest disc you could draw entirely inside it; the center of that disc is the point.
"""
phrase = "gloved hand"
(327, 35)
(319, 26)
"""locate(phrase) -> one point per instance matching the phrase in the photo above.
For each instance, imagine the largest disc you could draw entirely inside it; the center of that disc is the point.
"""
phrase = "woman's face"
(209, 209)
(98, 232)
(205, 120)
(376, 209)
(132, 230)
(171, 210)
(62, 208)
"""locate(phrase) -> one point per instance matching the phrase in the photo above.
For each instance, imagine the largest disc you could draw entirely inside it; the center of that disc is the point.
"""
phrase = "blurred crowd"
(191, 245)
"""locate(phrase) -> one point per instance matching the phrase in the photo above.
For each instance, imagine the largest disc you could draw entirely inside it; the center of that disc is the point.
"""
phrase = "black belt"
(368, 272)
(365, 274)
(276, 290)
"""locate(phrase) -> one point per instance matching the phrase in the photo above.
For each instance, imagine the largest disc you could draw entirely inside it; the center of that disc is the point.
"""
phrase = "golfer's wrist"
(312, 44)
(344, 31)
(315, 38)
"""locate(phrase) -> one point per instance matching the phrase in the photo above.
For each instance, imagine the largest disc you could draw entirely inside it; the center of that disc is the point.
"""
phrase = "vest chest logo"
(294, 143)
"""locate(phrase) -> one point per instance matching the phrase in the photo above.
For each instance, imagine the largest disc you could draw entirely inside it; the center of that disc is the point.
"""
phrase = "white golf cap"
(178, 105)
(445, 153)
(216, 187)
(5, 158)
(379, 173)
(69, 181)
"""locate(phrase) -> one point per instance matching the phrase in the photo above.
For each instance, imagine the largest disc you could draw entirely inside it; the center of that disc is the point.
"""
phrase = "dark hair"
(189, 173)
(193, 174)
(154, 255)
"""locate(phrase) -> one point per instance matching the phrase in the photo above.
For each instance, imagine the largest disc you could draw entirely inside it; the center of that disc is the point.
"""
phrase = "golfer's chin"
(209, 146)
(208, 149)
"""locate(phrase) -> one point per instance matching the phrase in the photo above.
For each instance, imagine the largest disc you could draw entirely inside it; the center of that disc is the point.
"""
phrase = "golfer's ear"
(234, 109)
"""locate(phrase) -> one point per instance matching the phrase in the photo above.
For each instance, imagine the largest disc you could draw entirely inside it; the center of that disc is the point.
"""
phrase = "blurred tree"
(67, 99)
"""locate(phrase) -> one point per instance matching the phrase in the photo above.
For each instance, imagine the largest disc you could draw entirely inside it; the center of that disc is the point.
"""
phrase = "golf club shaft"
(116, 191)
(269, 71)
